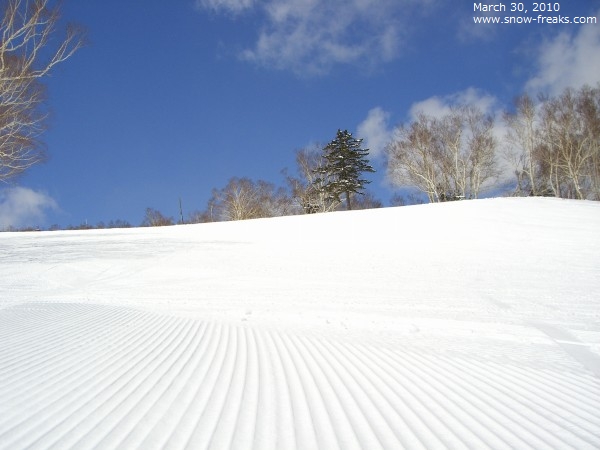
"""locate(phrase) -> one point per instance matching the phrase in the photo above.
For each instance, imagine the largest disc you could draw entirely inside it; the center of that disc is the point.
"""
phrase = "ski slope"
(472, 324)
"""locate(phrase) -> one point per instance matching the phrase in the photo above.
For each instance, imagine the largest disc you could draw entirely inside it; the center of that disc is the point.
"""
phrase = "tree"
(481, 147)
(365, 200)
(308, 189)
(119, 223)
(243, 198)
(448, 158)
(345, 163)
(409, 198)
(570, 125)
(200, 216)
(412, 159)
(27, 56)
(238, 200)
(523, 141)
(590, 112)
(155, 218)
(555, 146)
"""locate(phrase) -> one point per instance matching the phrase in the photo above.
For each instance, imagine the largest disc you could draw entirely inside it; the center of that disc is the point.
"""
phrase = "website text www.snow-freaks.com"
(527, 13)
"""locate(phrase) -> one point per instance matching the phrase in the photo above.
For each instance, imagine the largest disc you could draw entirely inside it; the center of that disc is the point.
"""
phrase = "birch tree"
(411, 157)
(154, 218)
(448, 158)
(308, 187)
(243, 198)
(570, 128)
(523, 141)
(27, 55)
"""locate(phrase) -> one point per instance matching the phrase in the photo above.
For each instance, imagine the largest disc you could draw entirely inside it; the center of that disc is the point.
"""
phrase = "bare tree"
(200, 216)
(555, 146)
(570, 135)
(481, 148)
(275, 201)
(239, 200)
(365, 201)
(27, 56)
(590, 112)
(307, 189)
(244, 198)
(411, 157)
(410, 198)
(155, 218)
(119, 223)
(522, 143)
(447, 158)
(448, 154)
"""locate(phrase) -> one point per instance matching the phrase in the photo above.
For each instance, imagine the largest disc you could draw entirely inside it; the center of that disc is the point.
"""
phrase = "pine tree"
(345, 162)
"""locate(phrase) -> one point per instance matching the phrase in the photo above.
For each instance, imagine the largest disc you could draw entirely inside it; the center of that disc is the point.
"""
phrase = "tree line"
(326, 179)
(552, 147)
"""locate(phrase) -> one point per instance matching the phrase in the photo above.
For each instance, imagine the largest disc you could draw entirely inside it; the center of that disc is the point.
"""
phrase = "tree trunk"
(348, 206)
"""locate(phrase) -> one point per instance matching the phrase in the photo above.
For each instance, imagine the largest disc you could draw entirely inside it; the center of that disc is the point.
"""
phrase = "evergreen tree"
(345, 162)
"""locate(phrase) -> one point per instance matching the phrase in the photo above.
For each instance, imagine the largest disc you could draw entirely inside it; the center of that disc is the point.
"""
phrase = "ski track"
(244, 336)
(91, 376)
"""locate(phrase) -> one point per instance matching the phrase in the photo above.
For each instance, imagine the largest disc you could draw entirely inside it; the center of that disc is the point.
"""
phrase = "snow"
(472, 324)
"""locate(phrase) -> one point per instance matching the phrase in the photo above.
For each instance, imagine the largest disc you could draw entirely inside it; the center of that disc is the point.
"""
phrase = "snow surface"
(471, 324)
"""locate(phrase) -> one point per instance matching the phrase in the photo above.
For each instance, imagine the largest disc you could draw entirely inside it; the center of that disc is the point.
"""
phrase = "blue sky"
(171, 99)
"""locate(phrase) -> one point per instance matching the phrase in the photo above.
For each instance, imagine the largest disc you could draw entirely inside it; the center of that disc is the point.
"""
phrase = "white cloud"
(375, 130)
(568, 60)
(469, 31)
(312, 36)
(21, 206)
(437, 106)
(232, 6)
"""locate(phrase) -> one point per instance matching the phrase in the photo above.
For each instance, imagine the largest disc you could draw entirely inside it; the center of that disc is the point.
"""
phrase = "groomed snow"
(472, 324)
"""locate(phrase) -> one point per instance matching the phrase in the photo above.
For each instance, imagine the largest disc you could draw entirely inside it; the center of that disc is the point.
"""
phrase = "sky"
(170, 100)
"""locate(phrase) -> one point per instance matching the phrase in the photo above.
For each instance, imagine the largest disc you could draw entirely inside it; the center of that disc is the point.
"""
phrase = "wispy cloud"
(438, 106)
(310, 37)
(376, 131)
(231, 6)
(568, 60)
(469, 31)
(21, 206)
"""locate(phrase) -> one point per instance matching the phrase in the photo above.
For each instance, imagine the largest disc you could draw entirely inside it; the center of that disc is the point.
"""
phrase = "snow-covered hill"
(466, 325)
